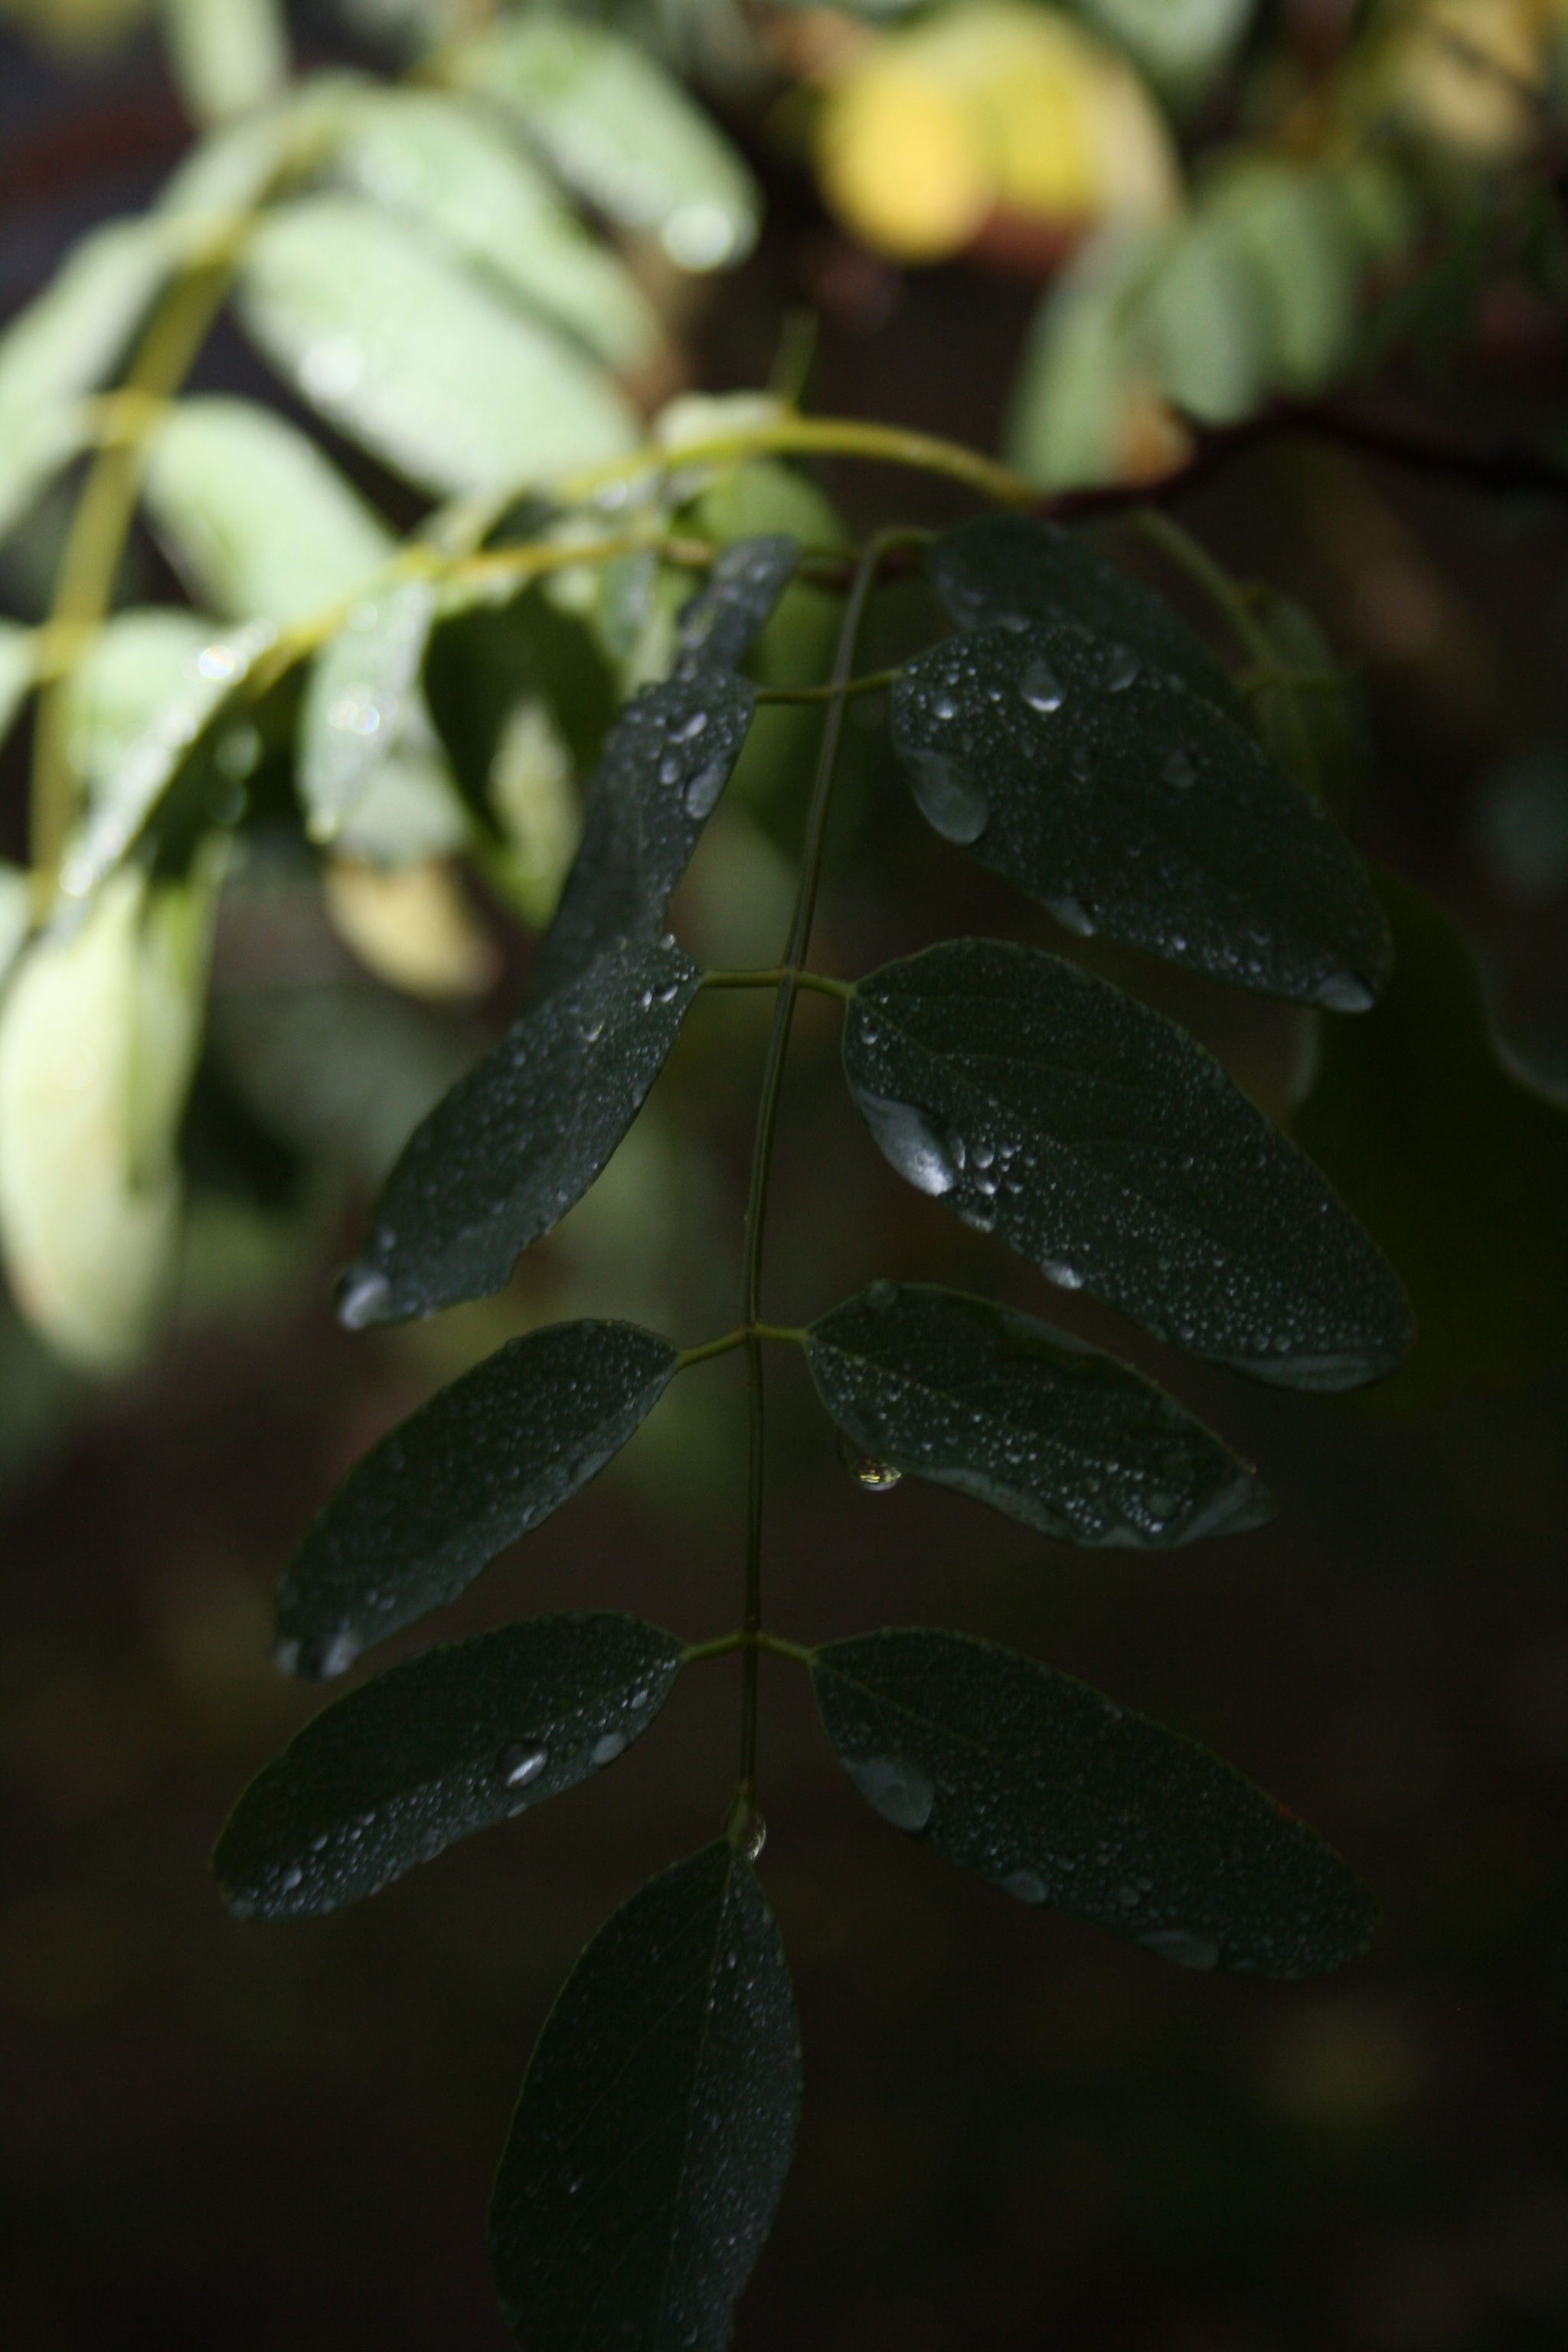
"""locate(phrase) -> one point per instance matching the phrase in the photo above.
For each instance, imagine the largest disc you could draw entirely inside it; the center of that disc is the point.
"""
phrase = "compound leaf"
(665, 762)
(432, 1751)
(504, 1155)
(1029, 1419)
(1126, 803)
(486, 1460)
(650, 2145)
(1093, 1136)
(1061, 1797)
(1014, 570)
(356, 700)
(415, 360)
(715, 630)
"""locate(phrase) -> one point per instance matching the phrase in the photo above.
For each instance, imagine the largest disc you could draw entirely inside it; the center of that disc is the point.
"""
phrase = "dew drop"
(1027, 1885)
(1183, 1947)
(1343, 992)
(1179, 772)
(290, 1878)
(1065, 1276)
(1041, 689)
(521, 1763)
(1124, 667)
(1072, 914)
(607, 1747)
(876, 1477)
(909, 1140)
(703, 791)
(752, 1843)
(950, 801)
(362, 1296)
(321, 1655)
(901, 1792)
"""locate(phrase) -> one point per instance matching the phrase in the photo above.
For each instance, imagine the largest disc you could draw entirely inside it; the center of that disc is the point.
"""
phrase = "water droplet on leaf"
(909, 1140)
(901, 1792)
(1027, 1885)
(1343, 992)
(1183, 1947)
(521, 1763)
(1179, 772)
(1041, 689)
(950, 801)
(362, 1298)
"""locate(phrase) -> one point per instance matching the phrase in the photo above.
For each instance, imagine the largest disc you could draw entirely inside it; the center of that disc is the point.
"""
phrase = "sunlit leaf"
(619, 130)
(1126, 803)
(235, 167)
(260, 523)
(715, 630)
(1027, 1418)
(423, 365)
(1061, 1797)
(650, 2145)
(226, 55)
(412, 925)
(356, 700)
(523, 1137)
(411, 809)
(1455, 1162)
(486, 1459)
(137, 663)
(430, 1751)
(1093, 1136)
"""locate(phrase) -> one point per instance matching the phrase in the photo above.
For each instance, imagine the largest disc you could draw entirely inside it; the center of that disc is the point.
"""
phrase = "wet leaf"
(1029, 1419)
(1093, 1136)
(503, 1156)
(620, 131)
(258, 523)
(434, 1749)
(1455, 1162)
(420, 362)
(715, 630)
(357, 699)
(486, 1459)
(1126, 803)
(1011, 569)
(1061, 1797)
(665, 762)
(649, 2148)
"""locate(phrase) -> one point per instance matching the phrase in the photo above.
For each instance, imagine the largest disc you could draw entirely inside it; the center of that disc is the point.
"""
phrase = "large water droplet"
(901, 1792)
(1072, 914)
(882, 1293)
(1184, 1946)
(703, 791)
(521, 1762)
(950, 801)
(753, 1841)
(1065, 1276)
(362, 1296)
(1343, 992)
(1124, 667)
(877, 1477)
(320, 1657)
(1179, 772)
(1041, 689)
(608, 1746)
(909, 1140)
(1027, 1885)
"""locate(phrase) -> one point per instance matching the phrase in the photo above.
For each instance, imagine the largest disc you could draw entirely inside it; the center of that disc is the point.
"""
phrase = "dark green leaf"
(483, 662)
(489, 1457)
(1456, 1163)
(1128, 804)
(716, 628)
(503, 1156)
(1029, 1419)
(1013, 571)
(1097, 1140)
(649, 2148)
(666, 761)
(1061, 1797)
(432, 1751)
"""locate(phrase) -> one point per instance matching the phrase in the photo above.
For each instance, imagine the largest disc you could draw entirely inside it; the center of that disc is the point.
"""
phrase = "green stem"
(762, 1148)
(818, 983)
(876, 681)
(1200, 569)
(818, 437)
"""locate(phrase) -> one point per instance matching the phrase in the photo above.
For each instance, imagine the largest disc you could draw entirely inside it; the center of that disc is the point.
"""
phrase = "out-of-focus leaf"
(138, 662)
(259, 521)
(355, 702)
(649, 2148)
(1126, 803)
(1093, 1136)
(666, 761)
(484, 662)
(1457, 1165)
(1086, 405)
(441, 161)
(419, 362)
(1058, 1795)
(413, 927)
(16, 915)
(715, 630)
(411, 810)
(619, 130)
(16, 671)
(1310, 720)
(1027, 1418)
(1209, 321)
(536, 811)
(522, 1138)
(234, 168)
(430, 1751)
(1180, 43)
(226, 55)
(419, 1516)
(1305, 261)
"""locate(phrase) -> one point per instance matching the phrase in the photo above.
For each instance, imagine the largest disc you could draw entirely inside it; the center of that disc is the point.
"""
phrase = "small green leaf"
(1457, 1164)
(442, 162)
(1011, 571)
(503, 1156)
(666, 761)
(226, 55)
(1128, 804)
(1058, 1795)
(486, 1460)
(651, 2142)
(137, 663)
(432, 1751)
(257, 521)
(620, 131)
(1027, 1418)
(1207, 311)
(418, 362)
(411, 809)
(715, 630)
(1093, 1136)
(357, 699)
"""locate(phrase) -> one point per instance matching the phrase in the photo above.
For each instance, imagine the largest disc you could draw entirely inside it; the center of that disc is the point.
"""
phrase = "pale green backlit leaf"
(137, 663)
(356, 700)
(226, 55)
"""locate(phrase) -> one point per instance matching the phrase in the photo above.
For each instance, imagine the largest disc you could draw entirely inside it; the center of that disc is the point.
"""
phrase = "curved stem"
(1217, 584)
(818, 983)
(875, 682)
(819, 437)
(767, 1120)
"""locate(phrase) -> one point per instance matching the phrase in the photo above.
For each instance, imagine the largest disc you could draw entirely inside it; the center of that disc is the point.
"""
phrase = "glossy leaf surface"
(432, 1751)
(419, 362)
(1093, 1136)
(357, 699)
(1457, 1164)
(665, 762)
(1029, 1419)
(502, 1158)
(649, 2148)
(419, 1516)
(1014, 570)
(1060, 1796)
(715, 630)
(1126, 803)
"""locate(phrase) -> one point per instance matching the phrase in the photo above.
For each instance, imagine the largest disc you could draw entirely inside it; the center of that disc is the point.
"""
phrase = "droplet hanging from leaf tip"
(361, 1298)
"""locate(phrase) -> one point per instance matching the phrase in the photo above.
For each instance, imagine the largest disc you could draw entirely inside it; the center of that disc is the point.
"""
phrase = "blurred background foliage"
(419, 255)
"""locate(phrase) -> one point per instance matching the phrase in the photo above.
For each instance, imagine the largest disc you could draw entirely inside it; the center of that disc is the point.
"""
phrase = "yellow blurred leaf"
(413, 927)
